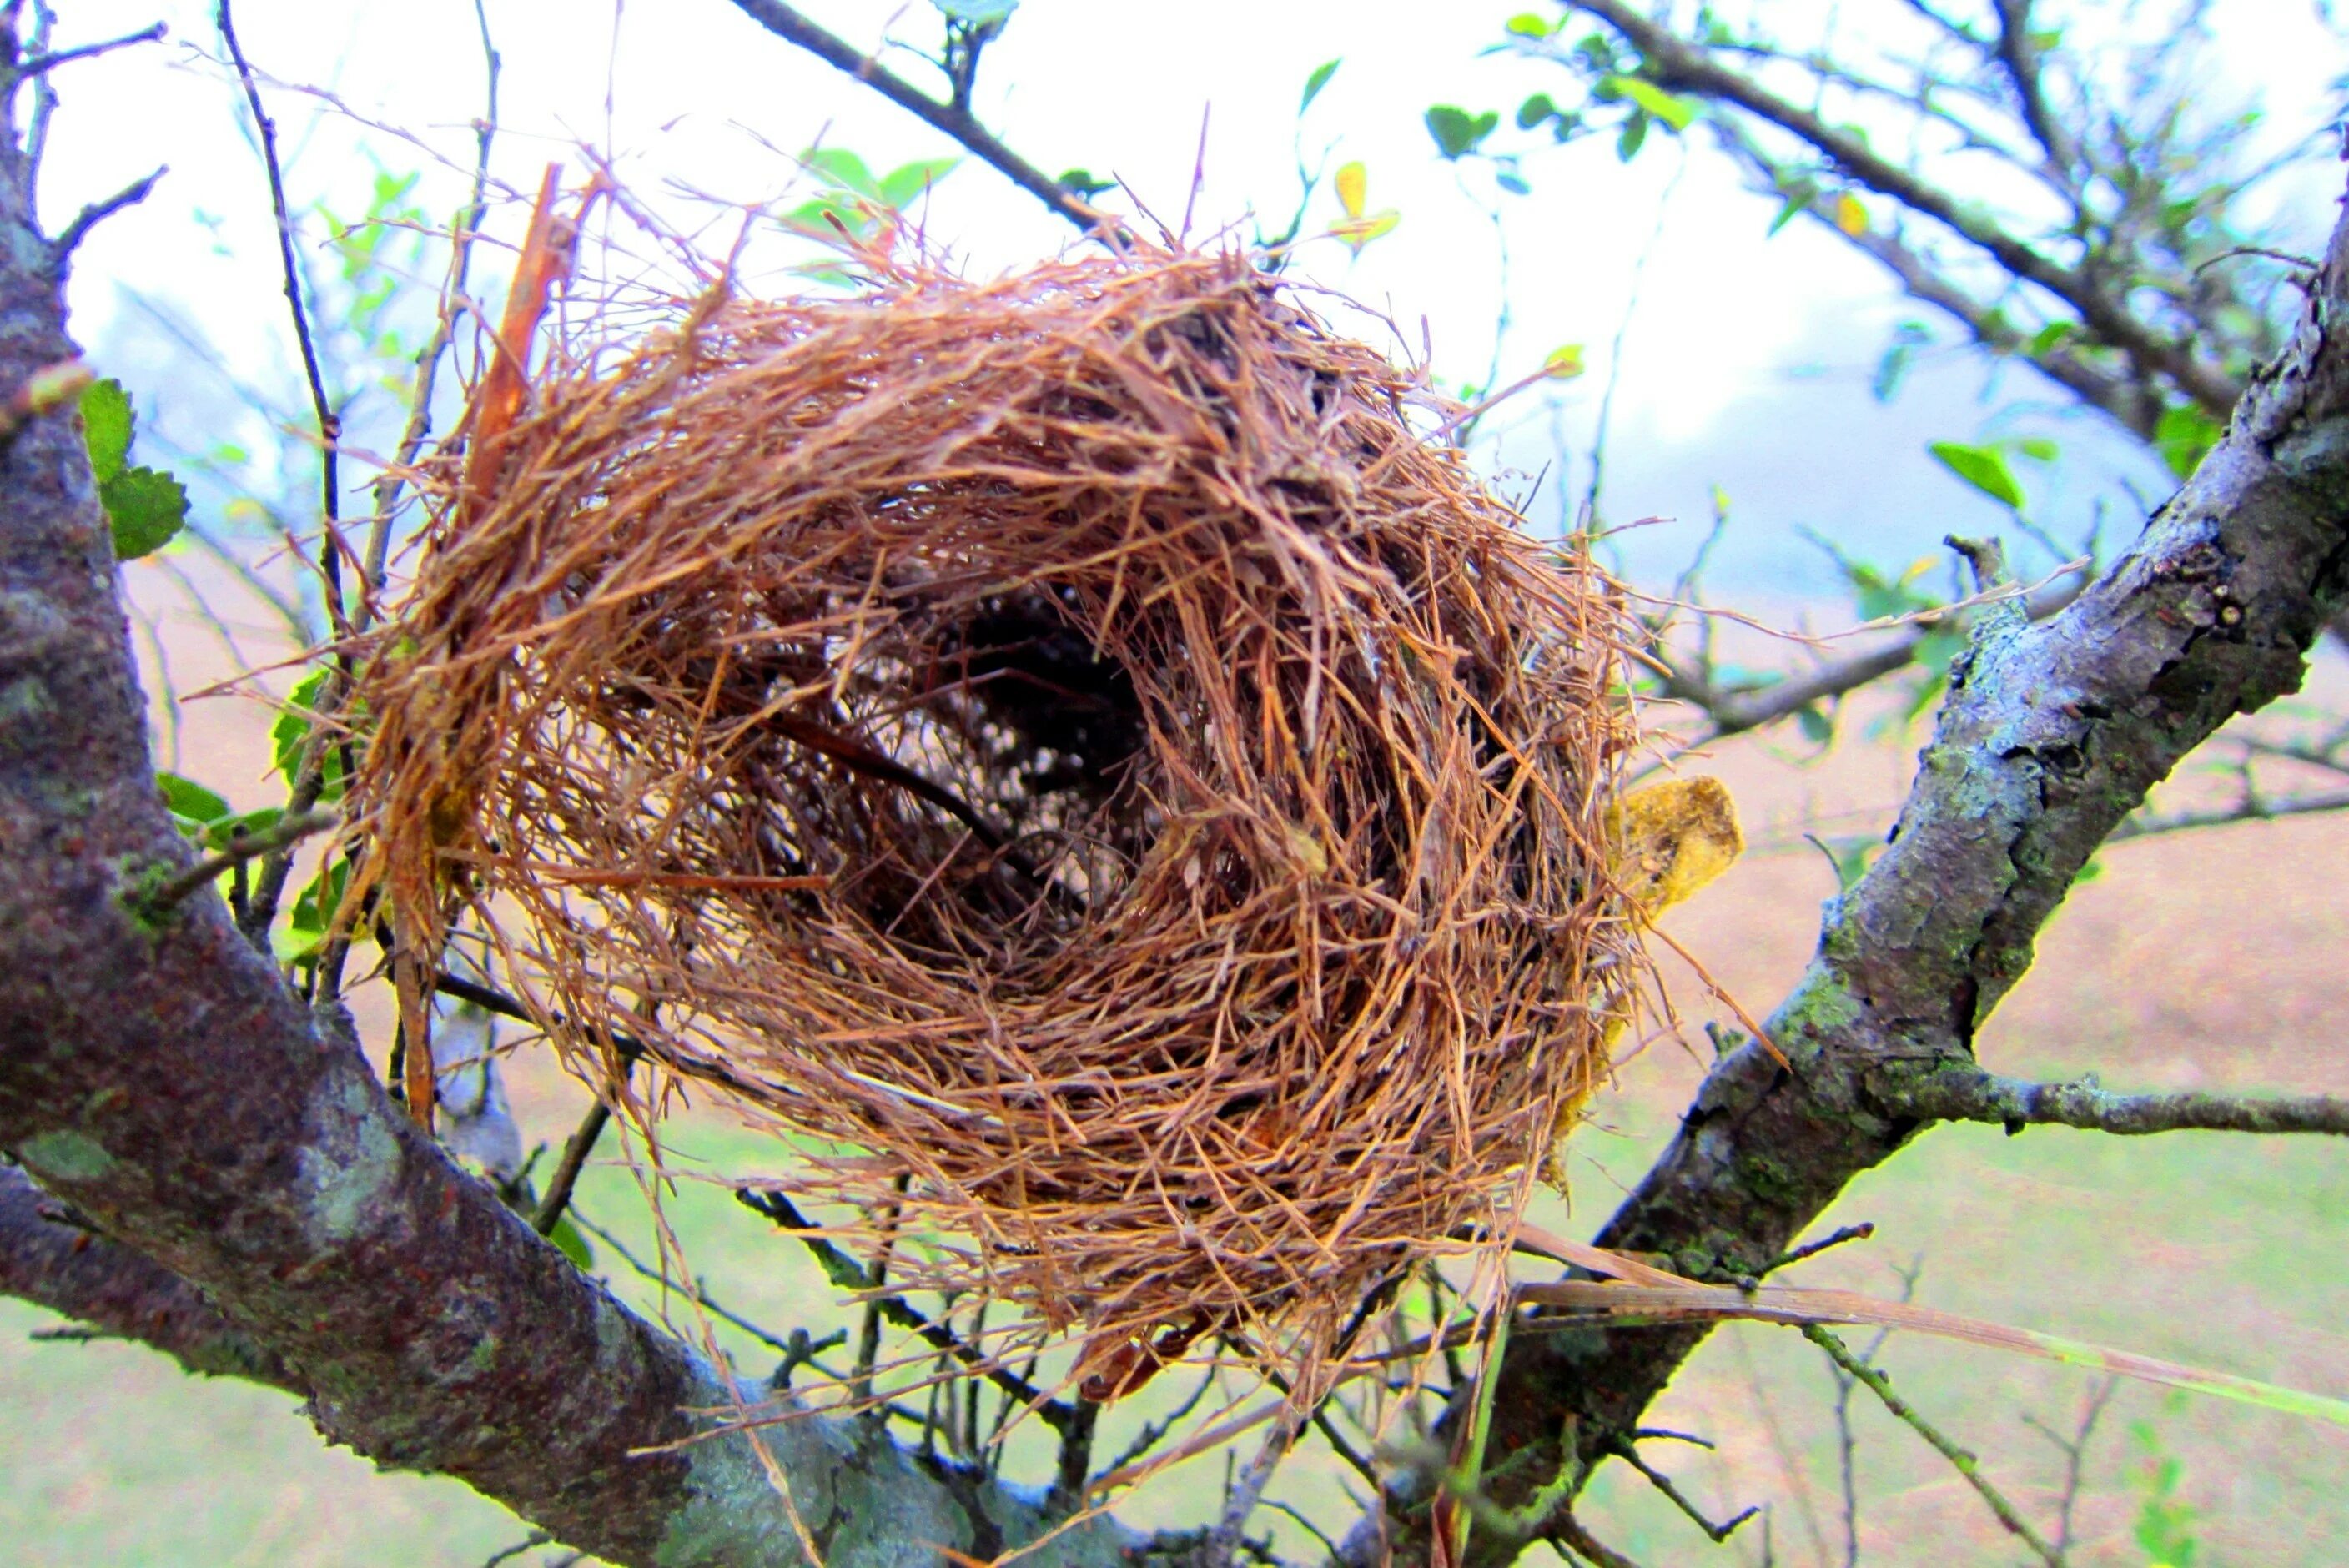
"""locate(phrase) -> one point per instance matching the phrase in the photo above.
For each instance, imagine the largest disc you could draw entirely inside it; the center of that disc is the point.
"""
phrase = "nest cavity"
(1065, 749)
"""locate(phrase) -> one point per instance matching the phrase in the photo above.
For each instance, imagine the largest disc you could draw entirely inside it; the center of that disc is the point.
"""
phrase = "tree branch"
(1969, 1094)
(1678, 66)
(2051, 734)
(953, 118)
(51, 1262)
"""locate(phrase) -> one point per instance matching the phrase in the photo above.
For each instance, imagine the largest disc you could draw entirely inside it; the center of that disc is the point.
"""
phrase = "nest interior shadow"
(1066, 743)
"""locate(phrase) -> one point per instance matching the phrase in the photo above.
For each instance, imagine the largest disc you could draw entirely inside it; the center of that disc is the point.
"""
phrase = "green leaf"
(1535, 110)
(1081, 182)
(317, 903)
(1982, 467)
(1456, 131)
(145, 508)
(2038, 448)
(293, 726)
(1526, 25)
(1510, 181)
(566, 1235)
(106, 427)
(2185, 437)
(1634, 132)
(221, 834)
(1673, 110)
(908, 183)
(839, 167)
(1564, 363)
(1817, 725)
(977, 15)
(1800, 194)
(193, 808)
(1316, 82)
(2049, 338)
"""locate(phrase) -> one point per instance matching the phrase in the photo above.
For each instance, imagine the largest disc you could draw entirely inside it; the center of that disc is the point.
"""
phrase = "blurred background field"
(2209, 959)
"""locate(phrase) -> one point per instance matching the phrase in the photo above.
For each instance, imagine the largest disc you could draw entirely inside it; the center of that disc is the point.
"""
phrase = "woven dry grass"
(1065, 745)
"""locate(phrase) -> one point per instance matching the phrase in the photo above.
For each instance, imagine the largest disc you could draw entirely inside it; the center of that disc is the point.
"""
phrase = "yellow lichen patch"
(1673, 838)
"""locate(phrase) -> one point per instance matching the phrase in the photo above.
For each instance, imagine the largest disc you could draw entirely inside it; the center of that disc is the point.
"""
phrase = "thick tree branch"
(45, 1260)
(2050, 736)
(1969, 1094)
(953, 118)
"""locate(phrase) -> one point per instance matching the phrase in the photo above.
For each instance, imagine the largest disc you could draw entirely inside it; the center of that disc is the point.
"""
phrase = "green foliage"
(2185, 437)
(1893, 368)
(1316, 82)
(1457, 132)
(862, 203)
(291, 734)
(1082, 184)
(2162, 1523)
(1984, 468)
(1676, 112)
(573, 1245)
(144, 507)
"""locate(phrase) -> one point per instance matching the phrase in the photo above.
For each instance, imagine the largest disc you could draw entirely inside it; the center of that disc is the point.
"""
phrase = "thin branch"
(91, 216)
(1568, 1531)
(246, 846)
(330, 424)
(1858, 1232)
(955, 119)
(581, 1144)
(2075, 1449)
(845, 1272)
(1664, 1483)
(1973, 1095)
(1965, 1463)
(1678, 66)
(2255, 808)
(40, 64)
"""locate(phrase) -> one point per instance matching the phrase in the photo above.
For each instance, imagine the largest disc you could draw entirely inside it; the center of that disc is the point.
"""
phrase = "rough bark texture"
(156, 1074)
(2051, 734)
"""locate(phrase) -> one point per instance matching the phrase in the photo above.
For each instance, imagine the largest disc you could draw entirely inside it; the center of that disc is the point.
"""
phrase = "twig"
(1971, 1095)
(1858, 1232)
(1568, 1531)
(1664, 1483)
(581, 1144)
(953, 118)
(1965, 1463)
(694, 1291)
(2075, 1449)
(849, 1274)
(1154, 1432)
(247, 846)
(2256, 809)
(41, 64)
(96, 213)
(330, 424)
(1312, 1528)
(530, 1542)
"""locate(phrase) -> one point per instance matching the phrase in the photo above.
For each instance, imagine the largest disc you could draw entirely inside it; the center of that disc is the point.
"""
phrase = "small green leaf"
(220, 834)
(1673, 110)
(145, 508)
(1510, 181)
(908, 183)
(1456, 131)
(1081, 182)
(1535, 110)
(1800, 194)
(1817, 725)
(1634, 133)
(190, 802)
(106, 427)
(1526, 25)
(1316, 82)
(565, 1236)
(2049, 338)
(2038, 448)
(1564, 363)
(1982, 467)
(838, 167)
(2185, 437)
(317, 903)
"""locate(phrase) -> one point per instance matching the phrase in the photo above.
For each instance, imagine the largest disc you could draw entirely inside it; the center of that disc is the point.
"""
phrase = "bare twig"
(1664, 1483)
(1568, 1531)
(2075, 1449)
(581, 1144)
(39, 64)
(1858, 1232)
(2252, 808)
(71, 238)
(1973, 1095)
(953, 117)
(1964, 1463)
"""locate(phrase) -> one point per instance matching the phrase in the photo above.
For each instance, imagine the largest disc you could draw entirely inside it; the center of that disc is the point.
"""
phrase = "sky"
(1745, 359)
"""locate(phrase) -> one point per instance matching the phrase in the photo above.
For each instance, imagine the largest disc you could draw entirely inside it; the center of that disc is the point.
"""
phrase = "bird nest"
(1064, 749)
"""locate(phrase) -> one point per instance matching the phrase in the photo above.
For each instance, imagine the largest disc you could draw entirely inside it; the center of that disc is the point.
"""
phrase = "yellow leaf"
(1359, 232)
(1851, 215)
(1564, 363)
(1353, 189)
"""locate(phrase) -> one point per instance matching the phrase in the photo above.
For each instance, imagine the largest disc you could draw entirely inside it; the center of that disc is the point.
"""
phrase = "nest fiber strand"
(1063, 747)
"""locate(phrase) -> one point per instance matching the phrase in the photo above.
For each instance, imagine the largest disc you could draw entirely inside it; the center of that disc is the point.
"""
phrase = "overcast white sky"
(1746, 365)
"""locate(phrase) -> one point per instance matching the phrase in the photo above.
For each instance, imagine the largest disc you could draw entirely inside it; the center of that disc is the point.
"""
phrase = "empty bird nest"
(1065, 749)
